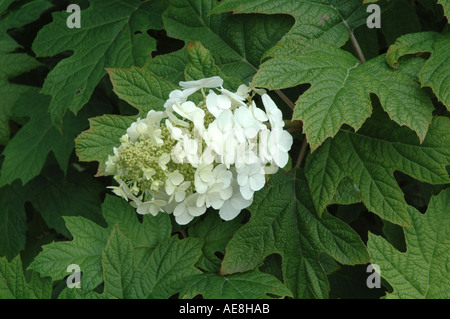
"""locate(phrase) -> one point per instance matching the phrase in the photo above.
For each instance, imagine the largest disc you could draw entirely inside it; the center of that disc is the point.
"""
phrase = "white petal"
(180, 209)
(236, 99)
(226, 120)
(286, 141)
(246, 191)
(169, 187)
(257, 182)
(226, 193)
(176, 178)
(258, 114)
(242, 178)
(184, 218)
(281, 159)
(196, 211)
(273, 112)
(228, 212)
(211, 82)
(180, 195)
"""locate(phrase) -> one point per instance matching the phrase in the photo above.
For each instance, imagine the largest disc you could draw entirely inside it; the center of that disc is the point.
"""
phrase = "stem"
(356, 46)
(292, 126)
(302, 153)
(285, 98)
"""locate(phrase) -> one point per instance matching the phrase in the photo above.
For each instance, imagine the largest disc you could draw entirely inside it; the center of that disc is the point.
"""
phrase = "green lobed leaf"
(55, 195)
(26, 153)
(12, 220)
(202, 65)
(89, 240)
(435, 73)
(169, 66)
(145, 236)
(14, 286)
(370, 156)
(112, 34)
(169, 266)
(284, 222)
(422, 271)
(249, 285)
(237, 43)
(103, 135)
(328, 20)
(84, 250)
(341, 87)
(346, 193)
(14, 64)
(216, 233)
(141, 88)
(118, 265)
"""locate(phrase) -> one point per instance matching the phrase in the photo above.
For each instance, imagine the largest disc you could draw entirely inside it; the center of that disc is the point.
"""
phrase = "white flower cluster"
(191, 156)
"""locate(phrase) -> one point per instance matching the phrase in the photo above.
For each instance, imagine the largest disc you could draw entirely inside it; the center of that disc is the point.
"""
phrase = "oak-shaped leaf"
(422, 272)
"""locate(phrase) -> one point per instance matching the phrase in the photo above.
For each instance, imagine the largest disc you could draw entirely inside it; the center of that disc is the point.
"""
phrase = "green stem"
(285, 99)
(356, 46)
(302, 153)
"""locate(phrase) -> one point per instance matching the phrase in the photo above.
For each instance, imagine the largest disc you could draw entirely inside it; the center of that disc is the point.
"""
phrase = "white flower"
(118, 191)
(233, 206)
(148, 173)
(273, 112)
(213, 185)
(179, 96)
(241, 149)
(271, 169)
(132, 131)
(154, 118)
(203, 176)
(110, 165)
(250, 178)
(246, 125)
(157, 137)
(212, 82)
(175, 132)
(180, 192)
(258, 114)
(279, 143)
(188, 209)
(156, 185)
(151, 207)
(264, 153)
(222, 175)
(246, 154)
(220, 136)
(212, 197)
(243, 91)
(236, 99)
(164, 159)
(175, 120)
(217, 103)
(190, 150)
(190, 111)
(173, 180)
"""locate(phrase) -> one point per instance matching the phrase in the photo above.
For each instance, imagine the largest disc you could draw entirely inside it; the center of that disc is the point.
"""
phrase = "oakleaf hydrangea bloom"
(192, 156)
